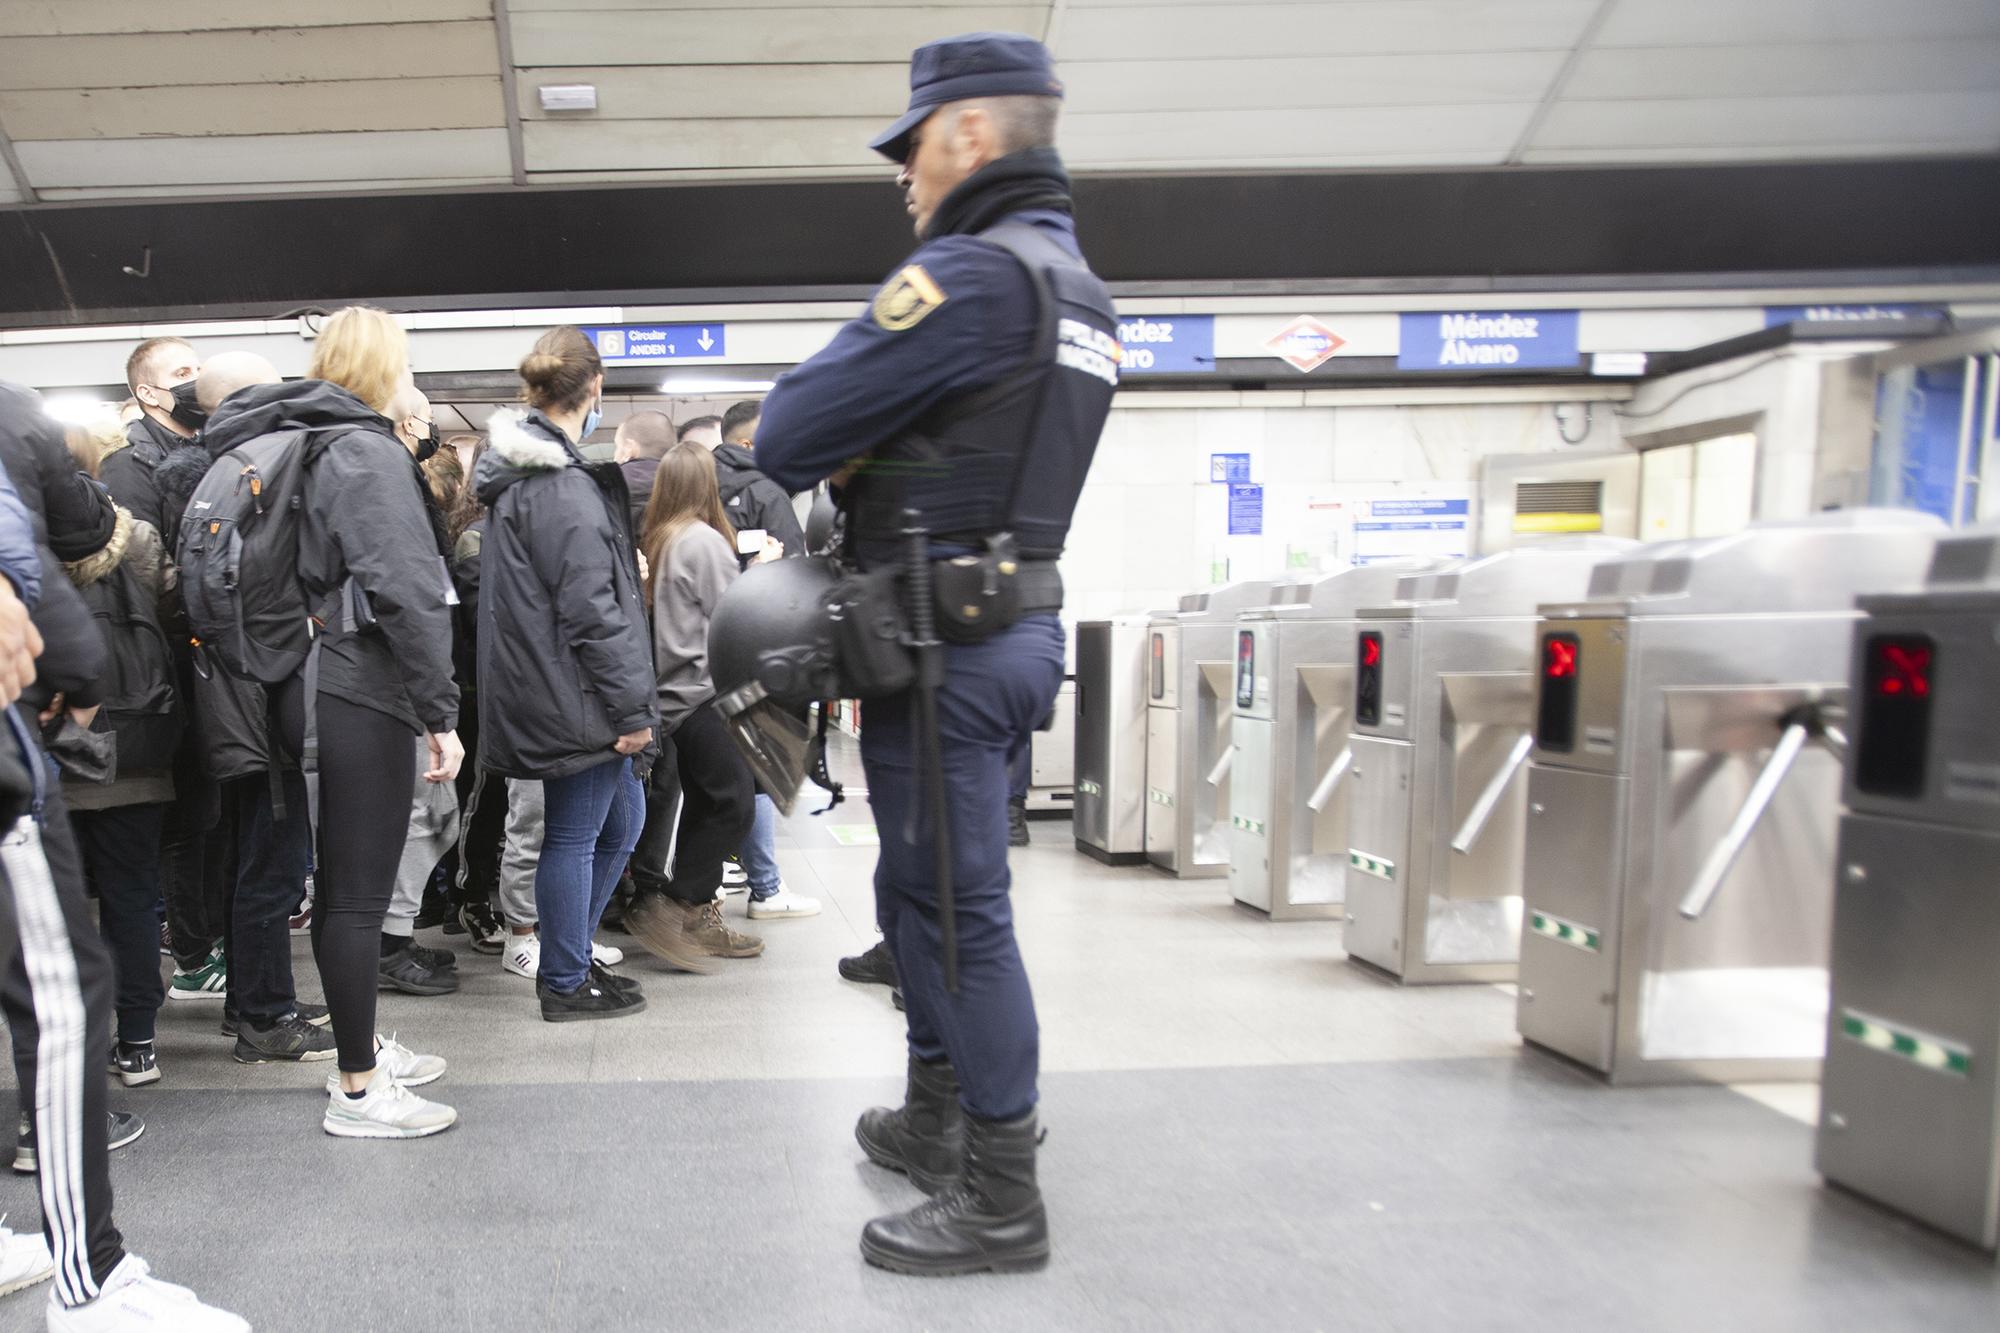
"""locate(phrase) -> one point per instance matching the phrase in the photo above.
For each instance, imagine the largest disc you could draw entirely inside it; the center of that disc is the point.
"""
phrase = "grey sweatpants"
(522, 853)
(432, 831)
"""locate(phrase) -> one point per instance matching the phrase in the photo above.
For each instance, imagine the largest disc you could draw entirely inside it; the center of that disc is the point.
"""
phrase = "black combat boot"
(877, 965)
(991, 1221)
(1017, 821)
(925, 1137)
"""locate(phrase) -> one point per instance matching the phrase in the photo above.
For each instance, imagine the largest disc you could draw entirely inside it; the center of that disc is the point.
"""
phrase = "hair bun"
(541, 367)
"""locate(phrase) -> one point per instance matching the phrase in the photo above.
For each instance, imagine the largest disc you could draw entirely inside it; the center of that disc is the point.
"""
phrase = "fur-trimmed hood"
(100, 563)
(520, 445)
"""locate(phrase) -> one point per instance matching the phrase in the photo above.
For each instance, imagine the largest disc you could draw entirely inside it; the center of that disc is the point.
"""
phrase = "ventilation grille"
(1559, 497)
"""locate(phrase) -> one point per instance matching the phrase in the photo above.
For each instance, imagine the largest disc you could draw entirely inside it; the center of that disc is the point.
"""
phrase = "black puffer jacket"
(565, 659)
(753, 500)
(364, 520)
(72, 518)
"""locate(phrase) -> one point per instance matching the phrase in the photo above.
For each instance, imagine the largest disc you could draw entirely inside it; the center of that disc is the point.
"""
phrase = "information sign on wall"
(1840, 314)
(1481, 340)
(659, 342)
(1167, 344)
(1246, 510)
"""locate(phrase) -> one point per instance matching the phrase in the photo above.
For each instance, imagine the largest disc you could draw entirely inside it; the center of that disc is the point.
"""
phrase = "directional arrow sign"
(629, 343)
(1305, 343)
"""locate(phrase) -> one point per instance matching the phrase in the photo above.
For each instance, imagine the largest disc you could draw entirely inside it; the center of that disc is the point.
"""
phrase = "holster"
(978, 596)
(871, 635)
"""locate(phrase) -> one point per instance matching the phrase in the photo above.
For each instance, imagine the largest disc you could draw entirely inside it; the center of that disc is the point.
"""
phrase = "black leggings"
(367, 770)
(697, 811)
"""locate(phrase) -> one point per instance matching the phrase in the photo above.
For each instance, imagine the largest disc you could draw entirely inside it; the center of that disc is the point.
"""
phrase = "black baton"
(929, 655)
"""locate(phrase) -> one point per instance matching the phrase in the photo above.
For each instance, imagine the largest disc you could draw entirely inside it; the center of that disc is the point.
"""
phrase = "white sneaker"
(735, 879)
(522, 956)
(404, 1065)
(606, 955)
(132, 1298)
(24, 1261)
(782, 904)
(385, 1110)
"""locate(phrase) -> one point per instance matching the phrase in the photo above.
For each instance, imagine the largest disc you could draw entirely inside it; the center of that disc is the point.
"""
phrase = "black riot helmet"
(771, 653)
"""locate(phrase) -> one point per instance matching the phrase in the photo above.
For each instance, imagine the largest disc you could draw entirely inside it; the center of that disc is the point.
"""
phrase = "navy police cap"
(974, 64)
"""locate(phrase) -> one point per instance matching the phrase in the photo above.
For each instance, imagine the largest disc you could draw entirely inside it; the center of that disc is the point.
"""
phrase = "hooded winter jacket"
(71, 518)
(753, 500)
(124, 586)
(128, 472)
(364, 521)
(565, 663)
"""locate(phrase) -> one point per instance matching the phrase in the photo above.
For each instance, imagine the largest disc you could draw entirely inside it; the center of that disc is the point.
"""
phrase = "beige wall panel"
(588, 6)
(717, 92)
(1700, 127)
(1778, 71)
(416, 155)
(1358, 136)
(1742, 22)
(751, 36)
(259, 188)
(1309, 81)
(275, 55)
(1354, 27)
(22, 18)
(472, 102)
(672, 145)
(1830, 151)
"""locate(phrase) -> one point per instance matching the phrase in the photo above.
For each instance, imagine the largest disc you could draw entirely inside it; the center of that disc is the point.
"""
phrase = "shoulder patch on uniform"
(907, 298)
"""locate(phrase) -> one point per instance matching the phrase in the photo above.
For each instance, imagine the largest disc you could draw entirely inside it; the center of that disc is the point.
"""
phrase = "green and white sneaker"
(385, 1110)
(210, 981)
(404, 1065)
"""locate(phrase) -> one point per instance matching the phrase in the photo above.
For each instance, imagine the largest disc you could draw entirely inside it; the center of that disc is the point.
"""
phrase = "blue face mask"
(590, 420)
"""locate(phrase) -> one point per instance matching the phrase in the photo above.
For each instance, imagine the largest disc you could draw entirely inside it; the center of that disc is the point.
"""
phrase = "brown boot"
(716, 939)
(663, 927)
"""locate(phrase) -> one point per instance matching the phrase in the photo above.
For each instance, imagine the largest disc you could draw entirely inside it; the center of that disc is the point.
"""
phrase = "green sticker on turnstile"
(1158, 797)
(1371, 865)
(1930, 1052)
(1089, 788)
(1567, 932)
(1255, 826)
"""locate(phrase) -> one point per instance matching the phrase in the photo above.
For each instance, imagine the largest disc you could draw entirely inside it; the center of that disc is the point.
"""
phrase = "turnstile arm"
(1489, 800)
(1723, 855)
(1330, 780)
(1222, 767)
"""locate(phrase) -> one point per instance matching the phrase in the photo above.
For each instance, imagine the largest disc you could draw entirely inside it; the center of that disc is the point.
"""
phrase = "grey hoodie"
(694, 573)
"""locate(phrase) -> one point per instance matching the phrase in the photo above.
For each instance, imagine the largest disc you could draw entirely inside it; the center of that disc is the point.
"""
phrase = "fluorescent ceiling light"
(569, 97)
(72, 410)
(704, 388)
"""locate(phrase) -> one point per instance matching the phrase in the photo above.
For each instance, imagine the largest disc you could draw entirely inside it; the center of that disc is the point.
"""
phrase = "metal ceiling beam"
(1558, 84)
(503, 30)
(15, 169)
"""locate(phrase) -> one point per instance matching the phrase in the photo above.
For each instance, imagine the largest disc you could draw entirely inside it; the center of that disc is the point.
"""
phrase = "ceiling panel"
(676, 145)
(803, 36)
(1308, 81)
(1350, 27)
(1740, 22)
(20, 18)
(629, 6)
(1968, 120)
(270, 55)
(1775, 71)
(469, 102)
(218, 162)
(719, 92)
(1353, 136)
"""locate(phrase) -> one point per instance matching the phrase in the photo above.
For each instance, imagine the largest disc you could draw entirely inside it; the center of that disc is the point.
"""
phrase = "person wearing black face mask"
(161, 373)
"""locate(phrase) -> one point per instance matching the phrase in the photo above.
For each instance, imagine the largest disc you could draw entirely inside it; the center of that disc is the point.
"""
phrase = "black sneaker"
(290, 1038)
(479, 921)
(414, 971)
(610, 980)
(135, 1064)
(874, 966)
(590, 1000)
(316, 1014)
(124, 1127)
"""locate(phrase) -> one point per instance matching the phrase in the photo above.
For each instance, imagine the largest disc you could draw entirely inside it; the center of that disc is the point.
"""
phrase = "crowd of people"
(506, 694)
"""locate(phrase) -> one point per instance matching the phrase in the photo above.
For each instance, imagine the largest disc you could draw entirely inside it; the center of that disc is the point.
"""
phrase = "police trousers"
(994, 694)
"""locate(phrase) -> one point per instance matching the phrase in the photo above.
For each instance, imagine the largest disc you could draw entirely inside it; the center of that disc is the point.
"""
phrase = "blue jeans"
(593, 820)
(994, 695)
(759, 853)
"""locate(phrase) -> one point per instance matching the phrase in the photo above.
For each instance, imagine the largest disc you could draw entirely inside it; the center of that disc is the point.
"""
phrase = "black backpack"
(138, 683)
(239, 557)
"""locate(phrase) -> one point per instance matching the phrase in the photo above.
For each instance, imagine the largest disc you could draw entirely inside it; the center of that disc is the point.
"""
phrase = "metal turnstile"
(1052, 757)
(1294, 700)
(1443, 692)
(1910, 1108)
(1109, 814)
(1191, 698)
(1682, 794)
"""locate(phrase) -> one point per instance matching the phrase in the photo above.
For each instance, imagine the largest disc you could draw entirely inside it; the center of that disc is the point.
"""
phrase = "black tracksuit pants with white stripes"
(57, 994)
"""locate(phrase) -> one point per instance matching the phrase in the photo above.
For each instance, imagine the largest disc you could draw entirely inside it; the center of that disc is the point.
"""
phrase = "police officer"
(968, 400)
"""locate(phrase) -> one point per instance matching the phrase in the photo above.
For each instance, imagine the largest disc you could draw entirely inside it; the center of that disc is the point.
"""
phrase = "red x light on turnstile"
(1368, 679)
(1894, 749)
(1555, 718)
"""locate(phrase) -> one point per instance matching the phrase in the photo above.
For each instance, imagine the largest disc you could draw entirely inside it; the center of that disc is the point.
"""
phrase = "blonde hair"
(91, 440)
(364, 351)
